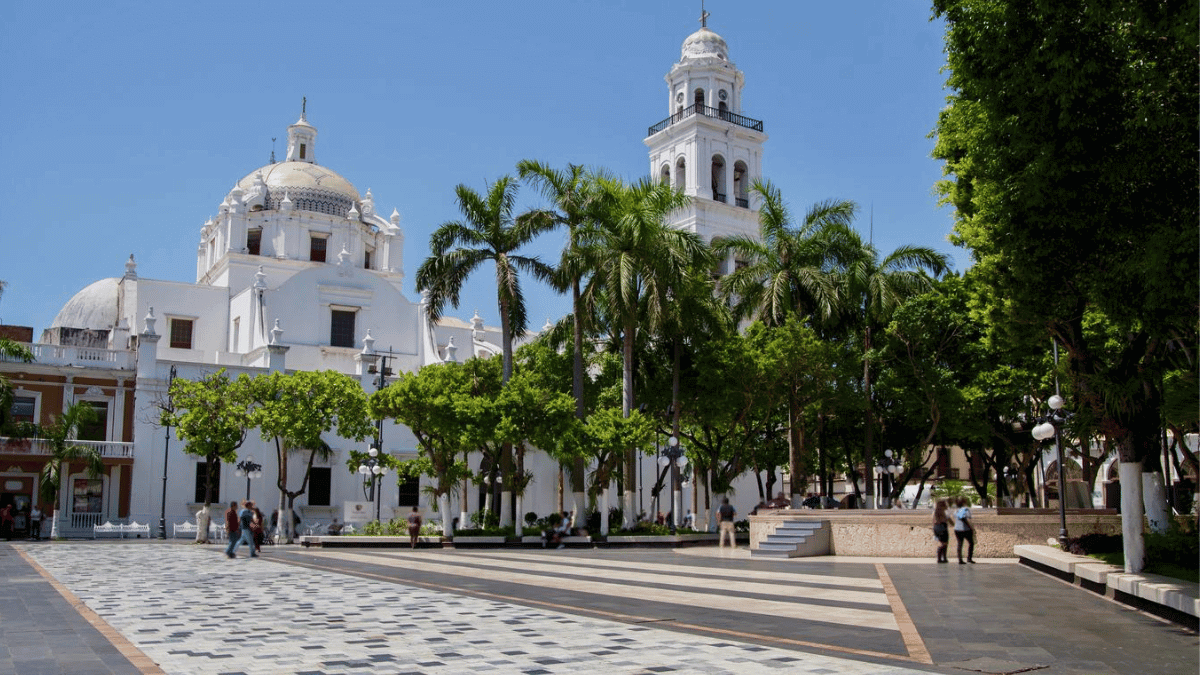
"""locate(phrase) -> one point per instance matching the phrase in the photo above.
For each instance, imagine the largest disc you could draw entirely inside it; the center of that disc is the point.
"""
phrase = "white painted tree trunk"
(202, 520)
(578, 505)
(519, 521)
(444, 508)
(1132, 516)
(1154, 499)
(604, 512)
(506, 514)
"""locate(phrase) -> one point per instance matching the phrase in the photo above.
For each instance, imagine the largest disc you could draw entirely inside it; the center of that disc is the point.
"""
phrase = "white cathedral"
(298, 271)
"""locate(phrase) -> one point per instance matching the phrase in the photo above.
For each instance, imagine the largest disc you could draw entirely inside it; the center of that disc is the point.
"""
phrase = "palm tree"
(458, 247)
(873, 288)
(572, 193)
(789, 269)
(59, 435)
(638, 258)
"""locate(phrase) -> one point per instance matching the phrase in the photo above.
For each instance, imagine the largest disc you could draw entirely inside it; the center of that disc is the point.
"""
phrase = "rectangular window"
(303, 150)
(181, 333)
(214, 495)
(316, 248)
(319, 480)
(367, 259)
(410, 492)
(87, 495)
(254, 242)
(97, 429)
(24, 408)
(341, 328)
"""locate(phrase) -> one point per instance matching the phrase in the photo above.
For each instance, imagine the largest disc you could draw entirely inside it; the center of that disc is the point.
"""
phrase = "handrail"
(39, 446)
(715, 113)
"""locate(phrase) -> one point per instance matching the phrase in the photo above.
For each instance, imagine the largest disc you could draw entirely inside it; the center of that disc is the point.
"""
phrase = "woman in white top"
(964, 530)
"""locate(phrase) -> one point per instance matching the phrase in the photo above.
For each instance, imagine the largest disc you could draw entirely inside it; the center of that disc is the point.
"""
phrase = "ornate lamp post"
(888, 466)
(372, 471)
(162, 513)
(250, 469)
(674, 457)
(1049, 427)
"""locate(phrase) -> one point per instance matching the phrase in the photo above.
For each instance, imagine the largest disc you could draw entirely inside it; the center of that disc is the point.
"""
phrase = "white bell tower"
(707, 147)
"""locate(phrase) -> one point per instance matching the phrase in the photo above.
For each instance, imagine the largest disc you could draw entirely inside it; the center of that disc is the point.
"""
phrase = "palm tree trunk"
(578, 468)
(630, 468)
(869, 438)
(795, 448)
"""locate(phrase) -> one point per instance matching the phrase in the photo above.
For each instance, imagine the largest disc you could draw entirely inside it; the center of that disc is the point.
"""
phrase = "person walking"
(941, 529)
(35, 523)
(414, 526)
(256, 528)
(725, 514)
(245, 521)
(964, 530)
(231, 522)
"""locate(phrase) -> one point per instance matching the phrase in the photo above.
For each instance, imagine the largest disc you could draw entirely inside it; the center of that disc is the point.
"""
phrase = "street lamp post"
(162, 513)
(1049, 427)
(250, 469)
(888, 466)
(373, 471)
(673, 456)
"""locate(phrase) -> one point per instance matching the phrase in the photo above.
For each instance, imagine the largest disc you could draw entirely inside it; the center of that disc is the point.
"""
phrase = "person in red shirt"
(231, 521)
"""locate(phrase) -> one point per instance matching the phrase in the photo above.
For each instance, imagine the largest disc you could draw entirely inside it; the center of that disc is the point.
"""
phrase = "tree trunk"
(604, 511)
(1132, 516)
(869, 434)
(630, 468)
(1154, 499)
(444, 507)
(795, 448)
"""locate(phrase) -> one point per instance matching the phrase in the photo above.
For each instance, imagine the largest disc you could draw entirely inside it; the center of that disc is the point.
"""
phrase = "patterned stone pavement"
(181, 608)
(189, 610)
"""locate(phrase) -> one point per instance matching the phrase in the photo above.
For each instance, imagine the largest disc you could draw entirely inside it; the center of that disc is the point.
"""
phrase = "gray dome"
(93, 308)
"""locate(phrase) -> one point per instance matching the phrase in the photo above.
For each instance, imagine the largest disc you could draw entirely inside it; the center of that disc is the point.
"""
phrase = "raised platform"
(1171, 599)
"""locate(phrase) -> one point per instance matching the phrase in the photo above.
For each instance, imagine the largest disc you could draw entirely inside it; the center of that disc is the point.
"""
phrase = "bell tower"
(706, 147)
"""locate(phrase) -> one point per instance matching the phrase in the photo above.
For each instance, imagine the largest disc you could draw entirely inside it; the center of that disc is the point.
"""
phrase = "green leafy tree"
(294, 410)
(10, 351)
(211, 416)
(488, 232)
(1069, 141)
(610, 433)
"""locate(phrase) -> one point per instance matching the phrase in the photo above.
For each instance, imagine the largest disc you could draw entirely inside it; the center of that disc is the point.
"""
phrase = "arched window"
(664, 174)
(722, 110)
(698, 99)
(741, 191)
(718, 178)
(680, 180)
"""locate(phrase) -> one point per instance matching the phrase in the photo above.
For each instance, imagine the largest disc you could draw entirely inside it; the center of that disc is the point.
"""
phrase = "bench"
(133, 527)
(189, 529)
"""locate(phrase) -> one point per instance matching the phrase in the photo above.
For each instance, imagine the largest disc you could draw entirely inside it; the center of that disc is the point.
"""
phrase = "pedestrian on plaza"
(689, 520)
(964, 530)
(725, 514)
(6, 522)
(231, 522)
(35, 523)
(414, 526)
(245, 522)
(941, 529)
(256, 528)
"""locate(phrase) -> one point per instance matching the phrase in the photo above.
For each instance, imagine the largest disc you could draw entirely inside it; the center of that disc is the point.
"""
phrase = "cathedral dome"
(93, 308)
(704, 43)
(308, 186)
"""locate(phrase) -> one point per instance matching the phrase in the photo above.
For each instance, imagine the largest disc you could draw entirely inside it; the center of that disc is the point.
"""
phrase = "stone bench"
(573, 539)
(1172, 599)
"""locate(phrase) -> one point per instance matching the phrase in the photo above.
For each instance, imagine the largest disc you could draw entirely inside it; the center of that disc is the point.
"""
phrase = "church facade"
(299, 271)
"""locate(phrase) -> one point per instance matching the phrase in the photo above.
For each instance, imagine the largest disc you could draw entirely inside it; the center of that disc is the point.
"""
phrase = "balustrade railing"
(42, 447)
(744, 203)
(84, 520)
(715, 113)
(95, 357)
(717, 196)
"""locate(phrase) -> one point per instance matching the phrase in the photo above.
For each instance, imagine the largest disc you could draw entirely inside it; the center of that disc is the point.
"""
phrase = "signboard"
(358, 513)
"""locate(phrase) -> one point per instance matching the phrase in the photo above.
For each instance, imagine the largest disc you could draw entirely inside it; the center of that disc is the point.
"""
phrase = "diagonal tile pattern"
(192, 611)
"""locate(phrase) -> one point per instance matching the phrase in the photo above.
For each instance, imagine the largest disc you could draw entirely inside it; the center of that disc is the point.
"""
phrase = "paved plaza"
(166, 607)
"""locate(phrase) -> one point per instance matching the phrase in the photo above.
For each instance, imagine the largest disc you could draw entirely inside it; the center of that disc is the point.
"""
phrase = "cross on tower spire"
(703, 16)
(304, 108)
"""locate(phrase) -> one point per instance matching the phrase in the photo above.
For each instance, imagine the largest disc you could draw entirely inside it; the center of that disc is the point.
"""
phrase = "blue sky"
(123, 125)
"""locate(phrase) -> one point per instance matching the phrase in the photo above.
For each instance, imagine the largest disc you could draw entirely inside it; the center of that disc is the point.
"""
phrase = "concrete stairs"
(795, 539)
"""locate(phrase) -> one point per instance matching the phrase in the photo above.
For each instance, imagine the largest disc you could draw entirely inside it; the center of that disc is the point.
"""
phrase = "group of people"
(8, 522)
(245, 526)
(964, 529)
(559, 528)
